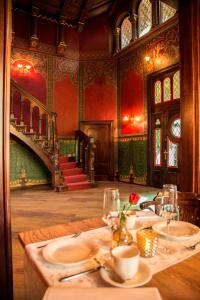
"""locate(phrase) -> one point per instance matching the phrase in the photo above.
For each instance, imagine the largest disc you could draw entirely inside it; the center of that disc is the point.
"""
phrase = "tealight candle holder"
(147, 240)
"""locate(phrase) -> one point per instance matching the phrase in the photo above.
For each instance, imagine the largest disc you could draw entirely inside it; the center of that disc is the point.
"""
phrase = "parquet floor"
(39, 207)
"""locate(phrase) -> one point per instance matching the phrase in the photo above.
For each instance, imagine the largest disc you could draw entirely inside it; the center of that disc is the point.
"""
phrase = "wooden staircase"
(40, 134)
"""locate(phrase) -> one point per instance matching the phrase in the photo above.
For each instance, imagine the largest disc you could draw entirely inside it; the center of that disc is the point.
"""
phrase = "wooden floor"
(39, 207)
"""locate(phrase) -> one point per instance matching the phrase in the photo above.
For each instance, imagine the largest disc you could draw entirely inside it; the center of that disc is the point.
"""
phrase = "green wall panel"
(133, 155)
(26, 168)
(67, 146)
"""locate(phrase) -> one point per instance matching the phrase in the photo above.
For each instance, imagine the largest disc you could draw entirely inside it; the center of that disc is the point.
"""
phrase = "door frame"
(150, 79)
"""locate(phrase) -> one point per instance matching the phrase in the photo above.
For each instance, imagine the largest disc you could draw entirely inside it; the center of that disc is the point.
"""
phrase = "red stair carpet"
(74, 178)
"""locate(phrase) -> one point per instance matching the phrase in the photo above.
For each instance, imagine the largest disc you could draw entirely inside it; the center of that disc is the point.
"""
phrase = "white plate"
(70, 251)
(178, 230)
(142, 276)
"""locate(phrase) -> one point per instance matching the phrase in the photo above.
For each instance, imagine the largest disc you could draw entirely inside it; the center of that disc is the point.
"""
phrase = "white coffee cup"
(126, 260)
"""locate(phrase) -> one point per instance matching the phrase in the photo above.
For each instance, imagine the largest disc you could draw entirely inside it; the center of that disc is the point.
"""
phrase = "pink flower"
(134, 198)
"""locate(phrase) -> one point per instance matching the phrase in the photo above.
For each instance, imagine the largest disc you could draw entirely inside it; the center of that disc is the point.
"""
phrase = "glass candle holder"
(147, 240)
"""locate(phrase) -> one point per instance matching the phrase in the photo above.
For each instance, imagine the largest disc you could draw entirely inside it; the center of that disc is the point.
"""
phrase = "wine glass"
(168, 210)
(111, 206)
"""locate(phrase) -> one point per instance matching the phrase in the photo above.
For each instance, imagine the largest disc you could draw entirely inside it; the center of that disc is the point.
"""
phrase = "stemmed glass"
(111, 206)
(168, 210)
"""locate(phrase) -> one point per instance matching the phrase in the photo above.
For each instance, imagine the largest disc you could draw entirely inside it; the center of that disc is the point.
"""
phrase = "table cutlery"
(77, 275)
(107, 266)
(73, 236)
(192, 247)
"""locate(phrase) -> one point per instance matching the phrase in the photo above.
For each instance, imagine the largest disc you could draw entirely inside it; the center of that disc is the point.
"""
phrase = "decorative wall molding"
(63, 66)
(165, 47)
(37, 60)
(99, 69)
(50, 84)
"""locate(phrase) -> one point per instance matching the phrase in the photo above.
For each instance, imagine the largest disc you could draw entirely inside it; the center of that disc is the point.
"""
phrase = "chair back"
(189, 206)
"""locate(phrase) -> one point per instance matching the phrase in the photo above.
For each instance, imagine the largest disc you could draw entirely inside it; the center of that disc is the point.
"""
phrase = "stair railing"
(85, 153)
(45, 135)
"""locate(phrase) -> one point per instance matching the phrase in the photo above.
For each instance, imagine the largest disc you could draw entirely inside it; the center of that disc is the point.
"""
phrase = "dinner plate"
(178, 230)
(70, 251)
(142, 276)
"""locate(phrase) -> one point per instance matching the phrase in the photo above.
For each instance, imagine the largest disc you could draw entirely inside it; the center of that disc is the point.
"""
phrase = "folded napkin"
(63, 293)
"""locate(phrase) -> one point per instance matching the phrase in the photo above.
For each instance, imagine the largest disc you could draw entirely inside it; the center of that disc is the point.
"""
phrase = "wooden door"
(165, 128)
(102, 131)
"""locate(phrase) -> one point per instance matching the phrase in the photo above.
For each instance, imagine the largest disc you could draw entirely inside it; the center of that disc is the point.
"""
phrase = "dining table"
(177, 282)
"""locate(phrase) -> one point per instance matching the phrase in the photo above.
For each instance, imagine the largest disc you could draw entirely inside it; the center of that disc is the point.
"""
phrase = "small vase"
(121, 236)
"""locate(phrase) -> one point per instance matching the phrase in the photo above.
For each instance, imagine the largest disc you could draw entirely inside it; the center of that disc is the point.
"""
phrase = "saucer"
(142, 276)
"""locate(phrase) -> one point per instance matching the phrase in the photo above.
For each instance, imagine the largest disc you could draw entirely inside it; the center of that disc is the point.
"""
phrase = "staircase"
(73, 177)
(40, 134)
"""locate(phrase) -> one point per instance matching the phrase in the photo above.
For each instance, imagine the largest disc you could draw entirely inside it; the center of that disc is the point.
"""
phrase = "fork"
(192, 247)
(73, 236)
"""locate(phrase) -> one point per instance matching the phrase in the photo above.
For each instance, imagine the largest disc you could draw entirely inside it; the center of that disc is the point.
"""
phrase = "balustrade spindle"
(31, 119)
(21, 112)
(40, 125)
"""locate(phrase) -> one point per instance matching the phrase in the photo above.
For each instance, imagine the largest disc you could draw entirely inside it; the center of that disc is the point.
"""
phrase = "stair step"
(78, 185)
(67, 165)
(74, 171)
(75, 178)
(63, 159)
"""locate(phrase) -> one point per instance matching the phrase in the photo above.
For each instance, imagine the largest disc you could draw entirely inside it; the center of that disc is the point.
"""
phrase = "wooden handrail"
(52, 146)
(27, 95)
(85, 155)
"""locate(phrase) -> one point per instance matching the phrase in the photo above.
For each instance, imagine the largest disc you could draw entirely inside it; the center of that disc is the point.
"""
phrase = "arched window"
(144, 17)
(166, 12)
(126, 32)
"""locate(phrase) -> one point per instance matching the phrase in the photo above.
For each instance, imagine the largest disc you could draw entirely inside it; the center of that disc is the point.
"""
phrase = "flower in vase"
(133, 200)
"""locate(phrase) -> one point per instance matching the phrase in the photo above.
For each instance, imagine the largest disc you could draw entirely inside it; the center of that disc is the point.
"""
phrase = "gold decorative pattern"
(63, 66)
(133, 138)
(38, 60)
(50, 84)
(96, 69)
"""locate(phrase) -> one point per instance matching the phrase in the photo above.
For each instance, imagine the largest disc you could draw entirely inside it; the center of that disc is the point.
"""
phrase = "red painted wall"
(94, 36)
(65, 104)
(100, 101)
(45, 26)
(21, 25)
(131, 102)
(32, 81)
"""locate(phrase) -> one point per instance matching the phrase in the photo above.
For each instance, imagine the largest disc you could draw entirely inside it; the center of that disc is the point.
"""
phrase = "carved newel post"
(91, 160)
(56, 178)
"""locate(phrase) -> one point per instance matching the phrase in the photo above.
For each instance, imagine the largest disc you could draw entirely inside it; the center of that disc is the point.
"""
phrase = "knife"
(77, 275)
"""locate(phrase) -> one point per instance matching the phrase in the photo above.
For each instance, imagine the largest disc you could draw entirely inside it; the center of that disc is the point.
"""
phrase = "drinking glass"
(111, 204)
(168, 210)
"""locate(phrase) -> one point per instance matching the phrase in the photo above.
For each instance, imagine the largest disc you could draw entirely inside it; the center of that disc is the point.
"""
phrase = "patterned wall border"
(133, 138)
(38, 60)
(63, 66)
(164, 46)
(95, 69)
(29, 182)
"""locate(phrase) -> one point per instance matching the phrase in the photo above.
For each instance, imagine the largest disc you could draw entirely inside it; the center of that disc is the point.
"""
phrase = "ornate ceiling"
(73, 11)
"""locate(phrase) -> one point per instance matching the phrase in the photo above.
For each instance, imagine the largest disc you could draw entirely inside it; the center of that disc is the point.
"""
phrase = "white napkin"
(63, 293)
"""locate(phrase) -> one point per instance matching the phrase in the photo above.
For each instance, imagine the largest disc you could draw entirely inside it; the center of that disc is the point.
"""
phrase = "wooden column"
(117, 41)
(155, 12)
(61, 45)
(6, 289)
(34, 40)
(189, 28)
(133, 20)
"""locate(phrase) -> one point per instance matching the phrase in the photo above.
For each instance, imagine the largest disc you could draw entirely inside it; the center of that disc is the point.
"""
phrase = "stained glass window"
(176, 128)
(167, 89)
(172, 159)
(176, 85)
(144, 17)
(166, 12)
(157, 91)
(157, 147)
(126, 32)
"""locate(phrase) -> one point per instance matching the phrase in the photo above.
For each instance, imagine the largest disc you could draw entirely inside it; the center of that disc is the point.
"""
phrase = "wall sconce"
(23, 68)
(136, 120)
